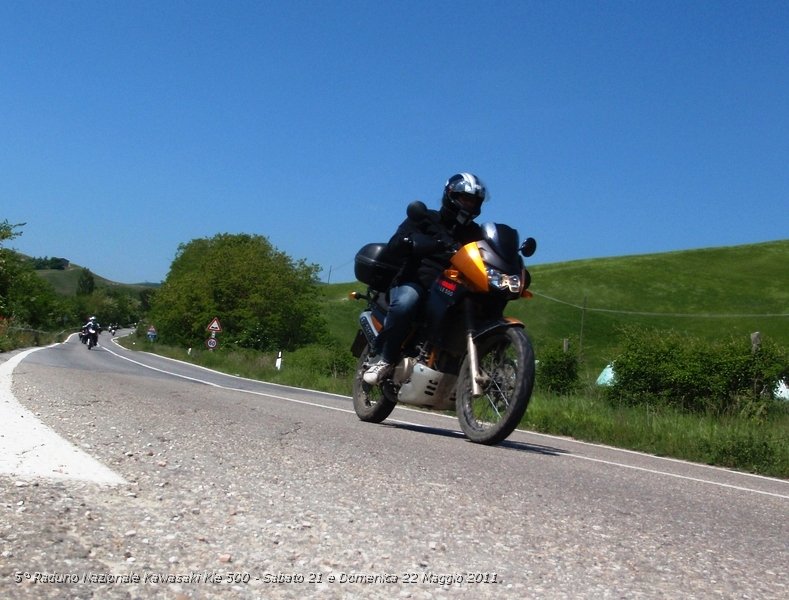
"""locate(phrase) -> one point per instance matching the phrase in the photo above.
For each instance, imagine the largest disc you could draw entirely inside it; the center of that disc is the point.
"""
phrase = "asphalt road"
(125, 475)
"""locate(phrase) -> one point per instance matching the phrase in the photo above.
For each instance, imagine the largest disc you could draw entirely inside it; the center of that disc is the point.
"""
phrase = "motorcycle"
(90, 336)
(475, 360)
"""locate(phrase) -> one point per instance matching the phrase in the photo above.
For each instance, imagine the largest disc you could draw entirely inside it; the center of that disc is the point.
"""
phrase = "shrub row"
(721, 378)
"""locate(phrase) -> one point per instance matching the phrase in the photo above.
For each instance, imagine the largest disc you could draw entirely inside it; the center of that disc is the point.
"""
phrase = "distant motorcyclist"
(92, 322)
(91, 329)
(424, 247)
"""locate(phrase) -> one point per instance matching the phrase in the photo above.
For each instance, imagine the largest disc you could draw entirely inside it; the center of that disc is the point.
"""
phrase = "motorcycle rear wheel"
(506, 360)
(369, 401)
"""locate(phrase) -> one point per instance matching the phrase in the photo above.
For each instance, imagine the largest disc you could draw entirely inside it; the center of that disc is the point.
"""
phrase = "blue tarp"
(607, 376)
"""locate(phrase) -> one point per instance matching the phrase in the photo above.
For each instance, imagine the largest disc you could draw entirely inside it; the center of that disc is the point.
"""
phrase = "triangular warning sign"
(214, 325)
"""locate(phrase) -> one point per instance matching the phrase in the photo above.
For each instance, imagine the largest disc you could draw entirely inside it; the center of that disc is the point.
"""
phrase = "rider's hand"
(402, 245)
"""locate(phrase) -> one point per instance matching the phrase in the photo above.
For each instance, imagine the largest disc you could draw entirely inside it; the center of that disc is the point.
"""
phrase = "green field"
(65, 281)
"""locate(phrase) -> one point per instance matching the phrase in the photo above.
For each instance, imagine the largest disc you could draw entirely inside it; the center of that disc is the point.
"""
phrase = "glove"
(448, 244)
(425, 245)
(402, 245)
(448, 248)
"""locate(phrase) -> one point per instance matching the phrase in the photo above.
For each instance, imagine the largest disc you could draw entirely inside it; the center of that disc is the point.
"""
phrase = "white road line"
(563, 455)
(29, 449)
(678, 476)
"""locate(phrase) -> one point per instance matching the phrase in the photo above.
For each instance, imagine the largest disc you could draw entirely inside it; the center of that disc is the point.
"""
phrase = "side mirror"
(417, 210)
(528, 247)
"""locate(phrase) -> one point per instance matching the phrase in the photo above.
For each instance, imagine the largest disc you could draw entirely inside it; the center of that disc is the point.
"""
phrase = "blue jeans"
(404, 303)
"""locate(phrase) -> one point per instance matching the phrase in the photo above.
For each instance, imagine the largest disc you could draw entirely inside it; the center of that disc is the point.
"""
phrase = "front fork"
(477, 377)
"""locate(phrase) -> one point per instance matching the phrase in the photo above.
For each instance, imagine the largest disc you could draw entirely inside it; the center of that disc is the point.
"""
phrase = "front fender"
(493, 326)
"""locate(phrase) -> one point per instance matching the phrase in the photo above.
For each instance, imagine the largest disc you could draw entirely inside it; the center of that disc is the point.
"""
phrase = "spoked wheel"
(369, 401)
(506, 362)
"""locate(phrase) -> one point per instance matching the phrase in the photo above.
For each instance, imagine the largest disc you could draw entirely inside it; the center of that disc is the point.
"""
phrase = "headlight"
(499, 280)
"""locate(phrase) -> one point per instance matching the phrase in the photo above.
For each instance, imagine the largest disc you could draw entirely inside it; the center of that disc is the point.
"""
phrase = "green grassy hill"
(713, 293)
(65, 281)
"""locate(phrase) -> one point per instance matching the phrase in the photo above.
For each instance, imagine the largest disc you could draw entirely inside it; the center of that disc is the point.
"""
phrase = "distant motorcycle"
(90, 336)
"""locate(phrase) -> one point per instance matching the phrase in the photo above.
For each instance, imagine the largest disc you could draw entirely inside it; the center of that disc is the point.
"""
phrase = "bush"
(660, 367)
(557, 371)
(266, 300)
(6, 341)
(324, 361)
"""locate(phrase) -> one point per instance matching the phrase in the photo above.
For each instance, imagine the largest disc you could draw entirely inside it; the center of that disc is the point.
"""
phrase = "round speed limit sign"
(212, 343)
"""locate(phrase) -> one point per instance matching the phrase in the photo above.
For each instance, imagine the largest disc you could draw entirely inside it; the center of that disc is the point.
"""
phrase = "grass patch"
(313, 367)
(738, 442)
(13, 338)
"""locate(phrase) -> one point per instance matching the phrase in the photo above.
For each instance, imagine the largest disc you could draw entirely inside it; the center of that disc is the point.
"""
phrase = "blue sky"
(600, 128)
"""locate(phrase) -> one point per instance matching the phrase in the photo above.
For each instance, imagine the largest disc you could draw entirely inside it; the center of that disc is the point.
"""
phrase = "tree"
(8, 264)
(86, 284)
(146, 299)
(108, 306)
(7, 231)
(46, 262)
(24, 297)
(33, 301)
(264, 299)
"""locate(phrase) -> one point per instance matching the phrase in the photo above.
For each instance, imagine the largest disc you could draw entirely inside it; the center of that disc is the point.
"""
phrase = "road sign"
(212, 343)
(214, 325)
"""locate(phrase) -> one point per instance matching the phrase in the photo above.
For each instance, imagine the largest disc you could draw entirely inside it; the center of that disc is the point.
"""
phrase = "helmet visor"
(466, 201)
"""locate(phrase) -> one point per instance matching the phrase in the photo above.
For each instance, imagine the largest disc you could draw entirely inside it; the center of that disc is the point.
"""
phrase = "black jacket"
(425, 246)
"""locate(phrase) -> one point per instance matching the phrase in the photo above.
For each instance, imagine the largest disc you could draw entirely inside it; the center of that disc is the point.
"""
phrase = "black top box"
(373, 267)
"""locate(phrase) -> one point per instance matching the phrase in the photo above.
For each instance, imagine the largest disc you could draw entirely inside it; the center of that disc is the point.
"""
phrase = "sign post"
(214, 327)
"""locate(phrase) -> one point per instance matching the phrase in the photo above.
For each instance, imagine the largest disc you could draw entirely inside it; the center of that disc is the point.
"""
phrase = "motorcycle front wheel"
(369, 401)
(506, 363)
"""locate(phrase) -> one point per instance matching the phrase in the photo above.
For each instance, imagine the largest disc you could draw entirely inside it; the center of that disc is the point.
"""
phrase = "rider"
(424, 247)
(92, 322)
